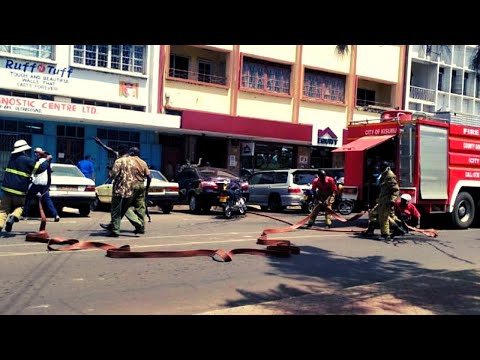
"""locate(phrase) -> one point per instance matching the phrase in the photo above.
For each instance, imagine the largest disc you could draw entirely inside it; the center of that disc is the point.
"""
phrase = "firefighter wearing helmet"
(324, 189)
(408, 211)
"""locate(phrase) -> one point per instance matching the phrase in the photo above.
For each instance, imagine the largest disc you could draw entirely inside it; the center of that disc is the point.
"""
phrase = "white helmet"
(406, 197)
(19, 146)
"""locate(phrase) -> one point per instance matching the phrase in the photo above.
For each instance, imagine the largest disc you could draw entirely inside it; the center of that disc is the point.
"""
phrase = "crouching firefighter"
(324, 190)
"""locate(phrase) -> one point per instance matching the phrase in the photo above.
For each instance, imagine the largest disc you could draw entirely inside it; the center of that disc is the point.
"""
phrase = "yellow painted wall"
(364, 115)
(264, 106)
(379, 62)
(313, 112)
(325, 57)
(197, 97)
(280, 52)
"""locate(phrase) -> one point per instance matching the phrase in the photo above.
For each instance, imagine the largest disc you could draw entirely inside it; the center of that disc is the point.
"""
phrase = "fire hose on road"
(277, 247)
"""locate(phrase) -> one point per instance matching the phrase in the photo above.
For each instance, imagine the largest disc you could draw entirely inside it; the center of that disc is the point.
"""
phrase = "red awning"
(363, 143)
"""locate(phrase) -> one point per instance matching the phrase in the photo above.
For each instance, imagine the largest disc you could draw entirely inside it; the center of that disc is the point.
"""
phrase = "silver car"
(277, 189)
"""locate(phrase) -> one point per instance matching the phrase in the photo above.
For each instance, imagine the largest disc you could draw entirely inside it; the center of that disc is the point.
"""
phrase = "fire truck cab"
(436, 160)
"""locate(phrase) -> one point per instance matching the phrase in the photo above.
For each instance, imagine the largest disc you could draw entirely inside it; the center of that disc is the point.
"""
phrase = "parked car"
(71, 188)
(162, 193)
(277, 189)
(200, 186)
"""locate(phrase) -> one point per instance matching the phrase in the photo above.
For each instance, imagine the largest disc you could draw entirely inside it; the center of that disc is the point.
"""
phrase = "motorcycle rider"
(324, 189)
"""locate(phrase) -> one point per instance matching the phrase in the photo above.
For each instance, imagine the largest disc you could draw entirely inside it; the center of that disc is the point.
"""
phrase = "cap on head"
(38, 150)
(406, 197)
(19, 146)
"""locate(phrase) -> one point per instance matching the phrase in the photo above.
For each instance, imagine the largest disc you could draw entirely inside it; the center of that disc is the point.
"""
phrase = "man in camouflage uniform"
(124, 187)
(389, 193)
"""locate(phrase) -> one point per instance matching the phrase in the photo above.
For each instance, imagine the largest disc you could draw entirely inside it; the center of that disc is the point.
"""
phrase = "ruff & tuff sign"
(35, 75)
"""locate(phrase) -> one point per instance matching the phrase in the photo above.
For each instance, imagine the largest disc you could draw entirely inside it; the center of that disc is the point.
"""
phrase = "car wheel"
(167, 208)
(84, 210)
(193, 204)
(463, 211)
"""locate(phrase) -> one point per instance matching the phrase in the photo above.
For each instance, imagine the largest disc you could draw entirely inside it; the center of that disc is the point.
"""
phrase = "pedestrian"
(324, 190)
(39, 189)
(389, 192)
(124, 186)
(16, 179)
(86, 167)
(140, 190)
(408, 211)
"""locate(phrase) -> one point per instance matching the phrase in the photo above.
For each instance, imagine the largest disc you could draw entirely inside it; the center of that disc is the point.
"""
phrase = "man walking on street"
(41, 186)
(125, 186)
(16, 179)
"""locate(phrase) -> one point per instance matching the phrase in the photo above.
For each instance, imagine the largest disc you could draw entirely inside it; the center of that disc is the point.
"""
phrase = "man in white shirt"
(40, 187)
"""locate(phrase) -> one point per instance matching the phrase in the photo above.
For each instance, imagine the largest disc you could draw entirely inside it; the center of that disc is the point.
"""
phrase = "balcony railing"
(196, 76)
(422, 94)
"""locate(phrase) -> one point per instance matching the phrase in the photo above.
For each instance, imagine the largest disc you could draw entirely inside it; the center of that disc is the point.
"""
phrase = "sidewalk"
(452, 293)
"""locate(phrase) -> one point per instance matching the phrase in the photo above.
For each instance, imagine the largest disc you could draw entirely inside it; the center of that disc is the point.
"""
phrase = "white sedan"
(71, 188)
(162, 193)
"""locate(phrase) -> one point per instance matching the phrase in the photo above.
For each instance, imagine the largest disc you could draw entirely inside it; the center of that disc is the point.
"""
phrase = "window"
(266, 76)
(324, 86)
(365, 97)
(204, 71)
(38, 51)
(179, 66)
(129, 58)
(441, 72)
(465, 81)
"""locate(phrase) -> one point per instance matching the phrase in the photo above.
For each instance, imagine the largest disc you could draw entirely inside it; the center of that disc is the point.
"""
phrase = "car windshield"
(158, 175)
(70, 171)
(215, 172)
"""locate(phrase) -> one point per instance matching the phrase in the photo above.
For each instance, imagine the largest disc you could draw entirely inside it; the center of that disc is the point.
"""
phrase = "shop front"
(68, 130)
(244, 144)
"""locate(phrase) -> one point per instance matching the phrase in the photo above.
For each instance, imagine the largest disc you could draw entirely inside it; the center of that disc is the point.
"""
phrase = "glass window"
(266, 76)
(324, 86)
(179, 66)
(130, 58)
(38, 51)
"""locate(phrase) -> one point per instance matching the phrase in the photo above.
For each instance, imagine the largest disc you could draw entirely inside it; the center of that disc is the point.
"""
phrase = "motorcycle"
(232, 200)
(341, 205)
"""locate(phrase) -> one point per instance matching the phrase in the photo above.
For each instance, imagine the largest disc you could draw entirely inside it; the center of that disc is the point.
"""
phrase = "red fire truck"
(436, 160)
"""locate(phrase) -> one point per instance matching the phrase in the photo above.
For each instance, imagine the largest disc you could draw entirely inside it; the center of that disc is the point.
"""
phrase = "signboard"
(248, 149)
(326, 137)
(35, 76)
(303, 160)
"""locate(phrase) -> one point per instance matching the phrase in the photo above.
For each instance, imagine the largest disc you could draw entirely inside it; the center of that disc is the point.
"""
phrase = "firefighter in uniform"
(16, 179)
(324, 189)
(389, 192)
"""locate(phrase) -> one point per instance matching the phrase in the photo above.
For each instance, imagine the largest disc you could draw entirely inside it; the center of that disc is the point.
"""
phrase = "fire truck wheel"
(463, 211)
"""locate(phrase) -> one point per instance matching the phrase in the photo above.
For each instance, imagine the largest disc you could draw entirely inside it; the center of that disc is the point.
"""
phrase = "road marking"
(163, 245)
(44, 306)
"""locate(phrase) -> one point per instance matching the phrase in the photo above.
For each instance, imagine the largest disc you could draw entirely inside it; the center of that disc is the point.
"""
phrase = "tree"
(341, 49)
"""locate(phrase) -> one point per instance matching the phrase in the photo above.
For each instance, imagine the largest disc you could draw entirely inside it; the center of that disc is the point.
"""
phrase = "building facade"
(440, 78)
(59, 97)
(270, 106)
(245, 107)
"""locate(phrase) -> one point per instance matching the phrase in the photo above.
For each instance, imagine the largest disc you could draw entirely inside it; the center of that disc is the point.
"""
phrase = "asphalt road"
(36, 281)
